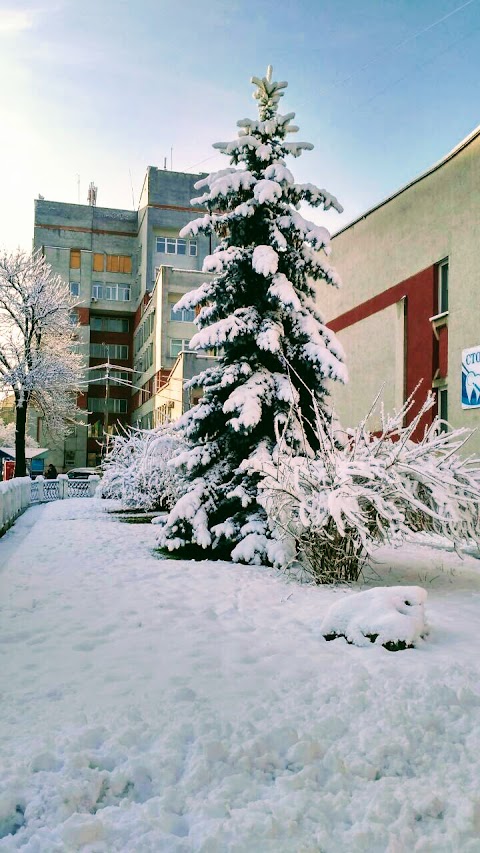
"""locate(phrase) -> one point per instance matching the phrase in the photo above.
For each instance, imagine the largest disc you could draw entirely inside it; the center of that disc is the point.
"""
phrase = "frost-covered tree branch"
(137, 469)
(38, 361)
(333, 509)
(7, 436)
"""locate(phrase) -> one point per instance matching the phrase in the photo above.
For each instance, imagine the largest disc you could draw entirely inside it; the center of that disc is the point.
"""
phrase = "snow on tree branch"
(336, 507)
(137, 469)
(38, 361)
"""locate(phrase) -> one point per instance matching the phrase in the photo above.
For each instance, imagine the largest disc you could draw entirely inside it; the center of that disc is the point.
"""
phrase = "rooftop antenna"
(92, 194)
(165, 163)
(131, 185)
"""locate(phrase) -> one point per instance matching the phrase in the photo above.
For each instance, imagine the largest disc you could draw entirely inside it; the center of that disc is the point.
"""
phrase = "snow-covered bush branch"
(376, 488)
(138, 470)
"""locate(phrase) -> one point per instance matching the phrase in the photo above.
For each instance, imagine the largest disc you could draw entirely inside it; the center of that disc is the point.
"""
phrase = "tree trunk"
(20, 426)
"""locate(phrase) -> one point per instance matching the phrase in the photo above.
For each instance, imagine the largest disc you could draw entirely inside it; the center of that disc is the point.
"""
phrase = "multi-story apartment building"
(126, 269)
(408, 309)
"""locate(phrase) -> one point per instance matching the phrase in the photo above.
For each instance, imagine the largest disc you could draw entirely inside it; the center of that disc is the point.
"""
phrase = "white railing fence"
(17, 494)
(14, 498)
(54, 490)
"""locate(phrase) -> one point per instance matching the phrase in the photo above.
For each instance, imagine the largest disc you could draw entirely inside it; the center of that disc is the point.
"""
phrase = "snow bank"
(393, 617)
(188, 707)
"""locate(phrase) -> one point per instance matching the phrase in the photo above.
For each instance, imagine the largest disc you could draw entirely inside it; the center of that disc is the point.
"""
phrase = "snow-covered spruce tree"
(259, 312)
(37, 360)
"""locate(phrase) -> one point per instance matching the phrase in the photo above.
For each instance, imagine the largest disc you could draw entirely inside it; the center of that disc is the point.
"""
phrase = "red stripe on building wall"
(176, 207)
(83, 316)
(419, 293)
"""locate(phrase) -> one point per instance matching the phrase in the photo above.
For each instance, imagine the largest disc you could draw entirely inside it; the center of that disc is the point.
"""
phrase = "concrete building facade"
(408, 309)
(125, 269)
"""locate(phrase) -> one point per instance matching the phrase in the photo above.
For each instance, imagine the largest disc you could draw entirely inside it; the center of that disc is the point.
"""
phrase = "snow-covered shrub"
(137, 470)
(370, 489)
(393, 617)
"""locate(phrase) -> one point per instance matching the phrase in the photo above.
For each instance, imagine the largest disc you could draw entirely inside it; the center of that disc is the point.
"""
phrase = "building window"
(161, 415)
(109, 350)
(144, 332)
(123, 293)
(69, 458)
(111, 292)
(185, 315)
(442, 281)
(443, 408)
(95, 430)
(119, 263)
(98, 262)
(73, 318)
(74, 288)
(100, 404)
(110, 324)
(176, 246)
(146, 421)
(145, 361)
(177, 346)
(74, 259)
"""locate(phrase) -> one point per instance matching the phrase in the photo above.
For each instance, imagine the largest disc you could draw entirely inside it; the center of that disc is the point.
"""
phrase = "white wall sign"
(471, 378)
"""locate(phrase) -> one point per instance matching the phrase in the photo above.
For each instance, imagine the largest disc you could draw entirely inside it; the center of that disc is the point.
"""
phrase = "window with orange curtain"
(98, 261)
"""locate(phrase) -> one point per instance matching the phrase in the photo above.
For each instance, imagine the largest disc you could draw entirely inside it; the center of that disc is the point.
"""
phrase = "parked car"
(83, 473)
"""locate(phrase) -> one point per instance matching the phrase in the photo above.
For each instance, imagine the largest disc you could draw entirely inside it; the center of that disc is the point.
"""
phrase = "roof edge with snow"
(453, 153)
(30, 452)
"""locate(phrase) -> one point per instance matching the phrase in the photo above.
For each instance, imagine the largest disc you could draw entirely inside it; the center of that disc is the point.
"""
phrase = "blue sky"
(102, 89)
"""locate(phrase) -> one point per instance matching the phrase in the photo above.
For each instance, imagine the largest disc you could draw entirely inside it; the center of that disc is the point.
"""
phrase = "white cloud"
(14, 21)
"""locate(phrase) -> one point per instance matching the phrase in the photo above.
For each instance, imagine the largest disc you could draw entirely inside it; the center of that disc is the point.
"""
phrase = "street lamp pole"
(107, 396)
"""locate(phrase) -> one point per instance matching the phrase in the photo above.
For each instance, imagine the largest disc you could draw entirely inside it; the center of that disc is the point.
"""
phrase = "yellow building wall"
(434, 218)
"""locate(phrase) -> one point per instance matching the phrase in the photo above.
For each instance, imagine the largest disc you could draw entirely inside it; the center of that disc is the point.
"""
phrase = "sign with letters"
(471, 378)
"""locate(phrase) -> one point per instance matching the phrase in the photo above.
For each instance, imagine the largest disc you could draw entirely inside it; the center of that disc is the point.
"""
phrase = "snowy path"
(160, 705)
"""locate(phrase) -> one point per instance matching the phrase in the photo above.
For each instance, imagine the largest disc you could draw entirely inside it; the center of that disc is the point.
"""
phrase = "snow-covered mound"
(393, 617)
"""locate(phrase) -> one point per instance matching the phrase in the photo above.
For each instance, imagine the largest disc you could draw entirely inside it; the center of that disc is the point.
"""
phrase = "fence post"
(62, 486)
(93, 482)
(41, 494)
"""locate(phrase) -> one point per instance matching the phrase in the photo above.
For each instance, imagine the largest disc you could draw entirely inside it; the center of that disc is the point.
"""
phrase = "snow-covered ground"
(165, 705)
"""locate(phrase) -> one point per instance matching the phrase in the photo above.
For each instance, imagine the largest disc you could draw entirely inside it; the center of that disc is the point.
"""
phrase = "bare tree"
(38, 361)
